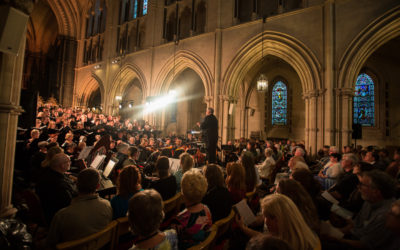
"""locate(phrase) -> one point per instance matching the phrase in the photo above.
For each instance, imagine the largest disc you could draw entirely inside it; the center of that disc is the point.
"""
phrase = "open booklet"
(344, 213)
(245, 212)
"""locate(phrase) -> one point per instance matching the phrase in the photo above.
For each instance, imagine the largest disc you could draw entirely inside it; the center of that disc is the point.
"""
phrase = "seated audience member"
(217, 197)
(54, 188)
(133, 153)
(247, 160)
(128, 184)
(372, 157)
(186, 163)
(347, 181)
(145, 216)
(122, 155)
(37, 159)
(297, 162)
(87, 214)
(235, 181)
(193, 223)
(329, 174)
(51, 152)
(265, 241)
(368, 229)
(393, 224)
(295, 191)
(266, 168)
(284, 220)
(165, 184)
(313, 188)
(394, 167)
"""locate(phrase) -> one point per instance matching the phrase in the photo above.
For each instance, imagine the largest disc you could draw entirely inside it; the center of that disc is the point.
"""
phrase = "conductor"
(210, 133)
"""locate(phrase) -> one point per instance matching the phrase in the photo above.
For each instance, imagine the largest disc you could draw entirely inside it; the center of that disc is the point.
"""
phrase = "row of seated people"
(236, 173)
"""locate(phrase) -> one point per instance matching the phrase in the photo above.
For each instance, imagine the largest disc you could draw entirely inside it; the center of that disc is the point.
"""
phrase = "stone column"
(345, 96)
(66, 70)
(11, 66)
(312, 129)
(224, 126)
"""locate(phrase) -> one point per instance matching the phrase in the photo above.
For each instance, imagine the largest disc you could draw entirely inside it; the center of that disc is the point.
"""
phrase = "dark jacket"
(210, 129)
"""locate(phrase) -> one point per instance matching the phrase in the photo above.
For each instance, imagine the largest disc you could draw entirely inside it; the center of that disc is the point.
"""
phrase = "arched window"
(144, 7)
(364, 101)
(95, 27)
(279, 104)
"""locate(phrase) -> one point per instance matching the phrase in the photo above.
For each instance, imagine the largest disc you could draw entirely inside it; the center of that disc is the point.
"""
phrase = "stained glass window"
(279, 104)
(364, 101)
(144, 7)
(135, 6)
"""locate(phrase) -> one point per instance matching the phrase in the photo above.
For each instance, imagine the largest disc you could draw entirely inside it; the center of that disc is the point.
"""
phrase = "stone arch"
(122, 79)
(283, 46)
(173, 67)
(376, 34)
(88, 87)
(68, 17)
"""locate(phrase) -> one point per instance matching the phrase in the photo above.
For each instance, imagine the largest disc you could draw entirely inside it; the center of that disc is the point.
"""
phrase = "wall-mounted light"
(97, 66)
(115, 61)
(118, 98)
(120, 106)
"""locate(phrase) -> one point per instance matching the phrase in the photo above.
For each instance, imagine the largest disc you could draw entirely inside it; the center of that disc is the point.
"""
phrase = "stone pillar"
(312, 129)
(224, 126)
(66, 70)
(11, 67)
(345, 100)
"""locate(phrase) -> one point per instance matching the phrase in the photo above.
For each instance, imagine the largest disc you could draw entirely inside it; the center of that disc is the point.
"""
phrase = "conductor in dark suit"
(210, 133)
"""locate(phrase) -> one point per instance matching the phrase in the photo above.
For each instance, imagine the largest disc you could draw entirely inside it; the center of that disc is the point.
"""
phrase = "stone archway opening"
(132, 99)
(254, 110)
(181, 115)
(94, 100)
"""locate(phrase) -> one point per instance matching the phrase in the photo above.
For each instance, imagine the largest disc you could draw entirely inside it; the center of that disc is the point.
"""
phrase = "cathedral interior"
(305, 70)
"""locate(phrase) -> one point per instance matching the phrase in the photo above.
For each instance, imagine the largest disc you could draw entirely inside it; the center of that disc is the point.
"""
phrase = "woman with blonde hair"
(193, 223)
(186, 163)
(284, 220)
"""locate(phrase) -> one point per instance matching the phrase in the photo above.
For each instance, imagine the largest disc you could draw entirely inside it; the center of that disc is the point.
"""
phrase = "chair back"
(172, 205)
(225, 223)
(94, 241)
(122, 228)
(250, 195)
(209, 242)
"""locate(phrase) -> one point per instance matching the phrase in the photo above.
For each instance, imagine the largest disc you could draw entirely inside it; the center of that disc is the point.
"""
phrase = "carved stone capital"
(224, 98)
(346, 92)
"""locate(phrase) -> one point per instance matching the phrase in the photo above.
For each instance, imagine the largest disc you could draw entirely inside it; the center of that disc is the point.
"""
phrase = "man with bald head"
(55, 189)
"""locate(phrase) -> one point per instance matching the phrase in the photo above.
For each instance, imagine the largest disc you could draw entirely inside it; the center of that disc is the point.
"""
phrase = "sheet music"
(84, 153)
(174, 165)
(245, 212)
(97, 161)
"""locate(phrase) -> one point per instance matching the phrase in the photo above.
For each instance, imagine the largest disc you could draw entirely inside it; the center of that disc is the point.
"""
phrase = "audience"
(186, 163)
(145, 216)
(236, 181)
(54, 188)
(295, 191)
(265, 241)
(284, 220)
(165, 183)
(266, 168)
(217, 197)
(368, 230)
(128, 184)
(329, 174)
(247, 160)
(87, 214)
(193, 223)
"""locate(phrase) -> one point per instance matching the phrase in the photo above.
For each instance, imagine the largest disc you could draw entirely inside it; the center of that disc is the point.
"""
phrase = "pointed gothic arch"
(123, 78)
(91, 84)
(174, 66)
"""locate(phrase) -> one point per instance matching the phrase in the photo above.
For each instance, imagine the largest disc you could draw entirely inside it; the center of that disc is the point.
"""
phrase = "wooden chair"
(173, 205)
(209, 242)
(224, 224)
(122, 228)
(93, 241)
(250, 195)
